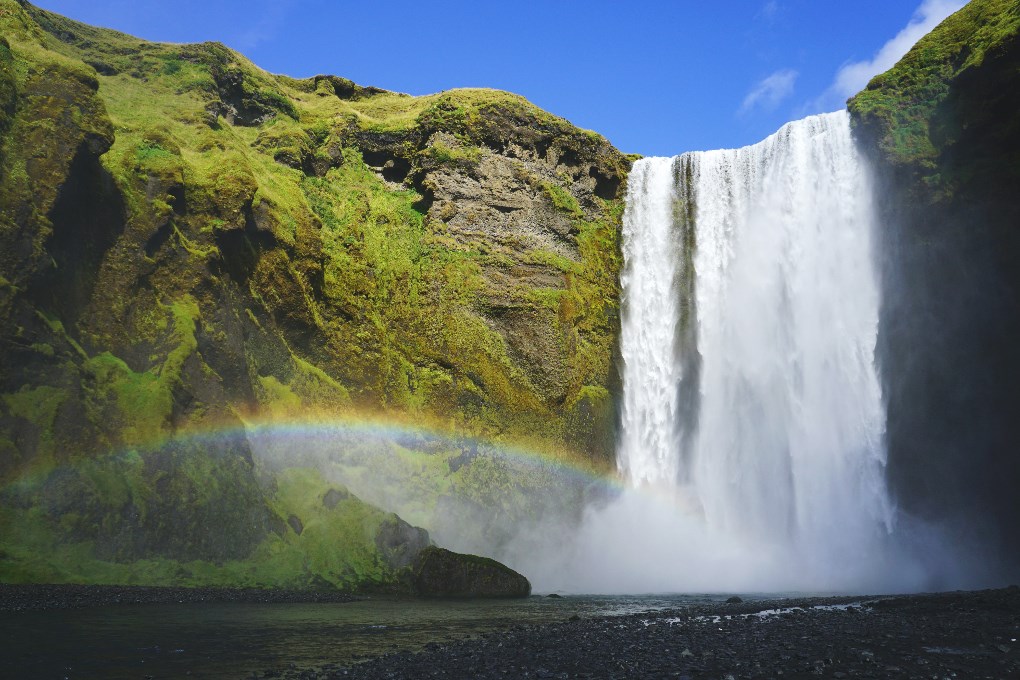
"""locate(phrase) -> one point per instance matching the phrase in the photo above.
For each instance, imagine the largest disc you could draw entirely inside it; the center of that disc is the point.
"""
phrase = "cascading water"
(752, 420)
(650, 436)
(790, 442)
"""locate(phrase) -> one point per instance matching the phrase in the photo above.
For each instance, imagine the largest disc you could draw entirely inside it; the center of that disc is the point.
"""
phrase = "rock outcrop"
(441, 573)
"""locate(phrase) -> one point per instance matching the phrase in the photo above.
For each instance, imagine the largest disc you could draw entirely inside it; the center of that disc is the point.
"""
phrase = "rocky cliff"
(190, 244)
(943, 132)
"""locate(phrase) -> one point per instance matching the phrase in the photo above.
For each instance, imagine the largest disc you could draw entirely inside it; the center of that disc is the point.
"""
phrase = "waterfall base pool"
(235, 640)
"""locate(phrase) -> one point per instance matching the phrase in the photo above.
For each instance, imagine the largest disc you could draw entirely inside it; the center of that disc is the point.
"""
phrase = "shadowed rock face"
(942, 131)
(441, 573)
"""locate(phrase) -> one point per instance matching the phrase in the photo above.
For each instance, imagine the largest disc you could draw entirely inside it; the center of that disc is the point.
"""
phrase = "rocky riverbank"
(946, 635)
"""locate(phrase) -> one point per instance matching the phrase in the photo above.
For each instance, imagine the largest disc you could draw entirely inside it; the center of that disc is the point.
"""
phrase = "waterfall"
(651, 310)
(751, 406)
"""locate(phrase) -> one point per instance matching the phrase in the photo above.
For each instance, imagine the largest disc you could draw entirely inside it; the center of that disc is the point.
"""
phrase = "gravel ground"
(945, 635)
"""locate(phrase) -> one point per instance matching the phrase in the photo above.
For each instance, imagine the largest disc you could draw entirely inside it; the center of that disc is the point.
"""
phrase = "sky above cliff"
(656, 77)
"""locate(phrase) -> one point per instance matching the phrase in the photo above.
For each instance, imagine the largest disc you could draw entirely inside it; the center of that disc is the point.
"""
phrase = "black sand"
(948, 635)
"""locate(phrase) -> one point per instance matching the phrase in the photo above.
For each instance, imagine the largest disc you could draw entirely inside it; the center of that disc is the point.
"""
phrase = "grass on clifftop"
(904, 100)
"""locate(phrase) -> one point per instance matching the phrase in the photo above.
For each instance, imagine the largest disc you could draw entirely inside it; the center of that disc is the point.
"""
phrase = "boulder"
(437, 572)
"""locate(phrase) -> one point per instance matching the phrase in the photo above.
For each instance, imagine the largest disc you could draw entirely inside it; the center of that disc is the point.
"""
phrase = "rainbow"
(264, 432)
(345, 431)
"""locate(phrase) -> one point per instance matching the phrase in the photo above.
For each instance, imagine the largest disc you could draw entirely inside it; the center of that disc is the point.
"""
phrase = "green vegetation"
(83, 541)
(562, 199)
(915, 111)
(187, 241)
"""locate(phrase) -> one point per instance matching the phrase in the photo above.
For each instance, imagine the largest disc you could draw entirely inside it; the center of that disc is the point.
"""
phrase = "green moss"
(142, 402)
(552, 259)
(8, 88)
(193, 248)
(562, 199)
(287, 144)
(138, 405)
(261, 265)
(442, 153)
(150, 153)
(902, 104)
(444, 113)
(336, 547)
(547, 297)
(278, 398)
(43, 348)
(336, 544)
(38, 406)
(185, 314)
(318, 387)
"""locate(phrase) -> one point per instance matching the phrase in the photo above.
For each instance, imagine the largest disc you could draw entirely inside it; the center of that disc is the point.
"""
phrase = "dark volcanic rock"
(440, 573)
(333, 497)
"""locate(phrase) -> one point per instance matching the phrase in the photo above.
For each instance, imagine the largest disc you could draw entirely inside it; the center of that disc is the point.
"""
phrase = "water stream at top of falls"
(750, 315)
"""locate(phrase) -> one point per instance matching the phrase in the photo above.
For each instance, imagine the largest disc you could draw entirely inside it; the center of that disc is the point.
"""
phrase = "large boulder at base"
(441, 573)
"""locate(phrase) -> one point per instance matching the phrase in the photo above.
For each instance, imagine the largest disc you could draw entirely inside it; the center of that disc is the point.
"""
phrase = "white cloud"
(853, 77)
(770, 91)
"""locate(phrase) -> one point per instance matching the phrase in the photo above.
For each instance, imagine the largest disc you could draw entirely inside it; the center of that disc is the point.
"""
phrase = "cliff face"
(944, 135)
(188, 243)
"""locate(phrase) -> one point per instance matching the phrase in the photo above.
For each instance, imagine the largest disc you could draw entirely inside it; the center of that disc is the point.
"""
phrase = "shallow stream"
(234, 640)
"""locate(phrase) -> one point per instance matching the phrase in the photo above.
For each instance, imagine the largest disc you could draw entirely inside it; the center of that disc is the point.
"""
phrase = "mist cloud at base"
(571, 534)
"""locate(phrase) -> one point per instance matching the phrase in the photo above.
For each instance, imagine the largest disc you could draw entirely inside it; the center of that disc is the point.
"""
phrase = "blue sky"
(656, 77)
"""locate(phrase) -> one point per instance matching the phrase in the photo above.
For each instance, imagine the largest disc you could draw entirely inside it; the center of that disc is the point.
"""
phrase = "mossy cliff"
(943, 131)
(188, 243)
